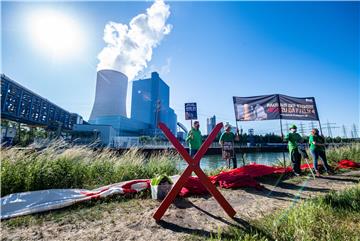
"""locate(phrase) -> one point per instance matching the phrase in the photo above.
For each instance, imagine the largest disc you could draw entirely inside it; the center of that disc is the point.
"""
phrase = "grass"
(350, 152)
(78, 167)
(333, 154)
(216, 171)
(60, 166)
(335, 216)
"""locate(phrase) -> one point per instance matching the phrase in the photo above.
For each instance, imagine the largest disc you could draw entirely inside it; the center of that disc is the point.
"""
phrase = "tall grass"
(351, 152)
(333, 154)
(60, 166)
(78, 167)
(335, 216)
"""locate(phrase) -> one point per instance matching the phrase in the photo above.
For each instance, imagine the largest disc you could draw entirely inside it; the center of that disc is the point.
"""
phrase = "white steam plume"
(129, 47)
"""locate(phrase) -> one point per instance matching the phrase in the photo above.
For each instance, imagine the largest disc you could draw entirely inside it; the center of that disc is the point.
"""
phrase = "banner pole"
(242, 154)
(281, 127)
(322, 134)
(317, 115)
(237, 126)
(320, 127)
(282, 137)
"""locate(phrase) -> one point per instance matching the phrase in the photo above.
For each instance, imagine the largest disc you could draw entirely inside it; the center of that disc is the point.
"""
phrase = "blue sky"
(215, 50)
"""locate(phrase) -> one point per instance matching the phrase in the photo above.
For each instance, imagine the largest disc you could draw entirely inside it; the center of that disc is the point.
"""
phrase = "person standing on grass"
(317, 149)
(294, 139)
(194, 139)
(227, 144)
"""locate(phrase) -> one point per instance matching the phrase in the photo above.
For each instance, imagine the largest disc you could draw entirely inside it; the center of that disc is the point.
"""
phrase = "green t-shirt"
(317, 139)
(196, 141)
(227, 137)
(293, 140)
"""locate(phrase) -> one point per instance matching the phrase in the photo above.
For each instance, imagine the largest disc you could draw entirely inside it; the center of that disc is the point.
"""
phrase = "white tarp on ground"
(24, 203)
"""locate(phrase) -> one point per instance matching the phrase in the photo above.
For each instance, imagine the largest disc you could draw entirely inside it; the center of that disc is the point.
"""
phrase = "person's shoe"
(330, 172)
(317, 174)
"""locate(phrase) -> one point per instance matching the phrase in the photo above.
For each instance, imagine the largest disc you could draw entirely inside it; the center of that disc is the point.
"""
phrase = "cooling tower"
(110, 96)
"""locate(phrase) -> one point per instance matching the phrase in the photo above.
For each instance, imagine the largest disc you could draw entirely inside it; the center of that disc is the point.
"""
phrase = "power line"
(354, 132)
(329, 127)
(304, 128)
(301, 128)
(312, 125)
(344, 131)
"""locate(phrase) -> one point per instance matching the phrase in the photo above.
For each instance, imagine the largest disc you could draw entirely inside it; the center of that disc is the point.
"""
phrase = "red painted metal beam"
(193, 166)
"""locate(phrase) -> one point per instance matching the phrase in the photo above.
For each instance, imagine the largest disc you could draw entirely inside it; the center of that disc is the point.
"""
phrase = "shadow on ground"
(343, 179)
(237, 223)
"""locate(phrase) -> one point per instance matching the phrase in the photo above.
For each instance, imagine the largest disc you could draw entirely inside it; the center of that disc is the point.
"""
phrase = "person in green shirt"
(194, 139)
(294, 139)
(317, 149)
(227, 143)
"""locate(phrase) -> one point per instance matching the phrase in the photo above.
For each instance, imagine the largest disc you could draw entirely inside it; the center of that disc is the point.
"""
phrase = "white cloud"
(163, 70)
(129, 47)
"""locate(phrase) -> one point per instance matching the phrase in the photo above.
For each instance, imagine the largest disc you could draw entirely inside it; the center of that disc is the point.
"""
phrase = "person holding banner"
(227, 143)
(294, 139)
(194, 139)
(317, 149)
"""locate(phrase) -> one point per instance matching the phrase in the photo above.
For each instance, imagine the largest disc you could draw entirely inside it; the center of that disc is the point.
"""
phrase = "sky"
(215, 50)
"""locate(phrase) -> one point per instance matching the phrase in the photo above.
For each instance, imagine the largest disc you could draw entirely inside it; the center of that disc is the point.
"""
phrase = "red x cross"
(193, 166)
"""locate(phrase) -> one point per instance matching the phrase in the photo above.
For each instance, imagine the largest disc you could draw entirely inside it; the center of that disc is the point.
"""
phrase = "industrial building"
(108, 121)
(24, 106)
(109, 107)
(149, 106)
(210, 124)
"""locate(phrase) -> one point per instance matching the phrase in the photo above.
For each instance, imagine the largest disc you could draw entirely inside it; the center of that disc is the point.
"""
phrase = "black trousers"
(234, 161)
(295, 160)
(192, 152)
(303, 153)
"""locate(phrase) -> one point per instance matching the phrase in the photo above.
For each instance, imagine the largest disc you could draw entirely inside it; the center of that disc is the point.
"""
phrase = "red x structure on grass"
(192, 167)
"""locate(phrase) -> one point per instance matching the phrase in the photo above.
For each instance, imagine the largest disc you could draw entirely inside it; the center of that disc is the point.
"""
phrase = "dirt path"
(133, 220)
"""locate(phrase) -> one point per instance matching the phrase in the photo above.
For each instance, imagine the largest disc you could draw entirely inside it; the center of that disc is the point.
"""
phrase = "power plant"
(108, 120)
(149, 106)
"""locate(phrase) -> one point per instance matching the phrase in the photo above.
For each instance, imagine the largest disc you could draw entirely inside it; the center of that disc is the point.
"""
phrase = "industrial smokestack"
(110, 96)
